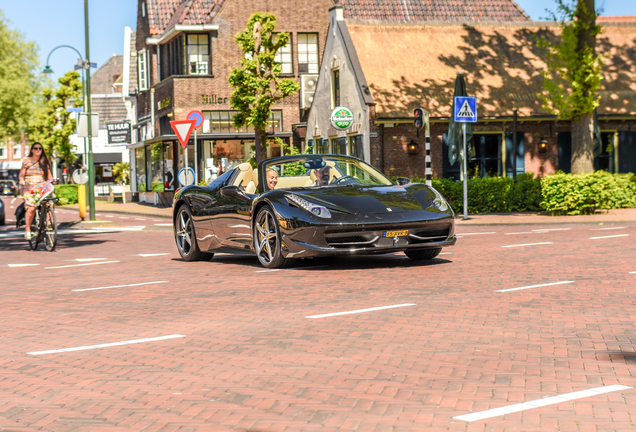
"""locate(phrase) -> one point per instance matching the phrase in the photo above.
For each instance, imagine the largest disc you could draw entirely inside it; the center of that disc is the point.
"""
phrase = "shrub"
(584, 193)
(67, 193)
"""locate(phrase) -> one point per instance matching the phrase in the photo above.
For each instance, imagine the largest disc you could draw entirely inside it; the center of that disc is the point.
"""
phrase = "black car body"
(2, 213)
(8, 187)
(350, 215)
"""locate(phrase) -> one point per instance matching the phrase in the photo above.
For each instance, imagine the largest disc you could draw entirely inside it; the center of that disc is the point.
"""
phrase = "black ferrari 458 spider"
(306, 206)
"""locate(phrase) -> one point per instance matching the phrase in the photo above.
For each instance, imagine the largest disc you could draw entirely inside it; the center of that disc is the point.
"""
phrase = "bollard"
(81, 200)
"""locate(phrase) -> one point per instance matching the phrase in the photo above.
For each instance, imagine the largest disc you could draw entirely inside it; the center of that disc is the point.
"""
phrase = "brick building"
(384, 66)
(185, 52)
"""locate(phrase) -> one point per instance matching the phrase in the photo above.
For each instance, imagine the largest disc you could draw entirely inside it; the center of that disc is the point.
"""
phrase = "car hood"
(372, 199)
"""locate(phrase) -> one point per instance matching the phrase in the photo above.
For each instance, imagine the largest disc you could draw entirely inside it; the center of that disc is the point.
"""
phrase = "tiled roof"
(132, 79)
(617, 19)
(504, 67)
(164, 14)
(109, 109)
(102, 80)
(433, 10)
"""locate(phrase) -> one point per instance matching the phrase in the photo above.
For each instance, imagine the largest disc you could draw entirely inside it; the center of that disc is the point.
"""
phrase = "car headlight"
(315, 209)
(439, 202)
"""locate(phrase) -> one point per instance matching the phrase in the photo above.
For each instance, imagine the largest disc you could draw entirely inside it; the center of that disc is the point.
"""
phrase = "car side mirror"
(235, 192)
(403, 181)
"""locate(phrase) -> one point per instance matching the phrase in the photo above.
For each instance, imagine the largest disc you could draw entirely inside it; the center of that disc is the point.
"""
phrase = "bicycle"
(44, 225)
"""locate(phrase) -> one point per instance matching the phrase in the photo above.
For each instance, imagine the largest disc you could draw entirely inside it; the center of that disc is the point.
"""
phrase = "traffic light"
(419, 118)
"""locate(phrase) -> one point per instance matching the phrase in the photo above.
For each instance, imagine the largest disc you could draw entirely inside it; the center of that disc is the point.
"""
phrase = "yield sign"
(183, 129)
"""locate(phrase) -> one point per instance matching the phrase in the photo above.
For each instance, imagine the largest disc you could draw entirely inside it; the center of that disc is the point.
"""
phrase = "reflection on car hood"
(373, 199)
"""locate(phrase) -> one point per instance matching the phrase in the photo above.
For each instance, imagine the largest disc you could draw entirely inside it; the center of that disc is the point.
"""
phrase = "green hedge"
(558, 194)
(584, 193)
(67, 193)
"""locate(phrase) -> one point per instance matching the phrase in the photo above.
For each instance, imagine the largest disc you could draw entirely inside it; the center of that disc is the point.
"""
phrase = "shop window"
(487, 160)
(335, 76)
(156, 169)
(142, 68)
(284, 57)
(198, 53)
(219, 122)
(308, 52)
(605, 160)
(168, 166)
(140, 168)
(355, 146)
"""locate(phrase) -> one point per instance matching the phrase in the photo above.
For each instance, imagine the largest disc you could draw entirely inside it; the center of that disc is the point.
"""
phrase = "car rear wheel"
(267, 240)
(185, 236)
(422, 254)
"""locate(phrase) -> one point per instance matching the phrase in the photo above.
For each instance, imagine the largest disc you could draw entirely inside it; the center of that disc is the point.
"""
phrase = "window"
(322, 146)
(142, 67)
(168, 166)
(198, 54)
(171, 58)
(308, 52)
(218, 122)
(338, 146)
(140, 168)
(355, 146)
(3, 152)
(143, 9)
(605, 159)
(487, 160)
(336, 88)
(16, 152)
(156, 169)
(284, 57)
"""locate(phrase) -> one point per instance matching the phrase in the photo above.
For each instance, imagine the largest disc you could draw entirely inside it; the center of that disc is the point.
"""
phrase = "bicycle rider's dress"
(34, 175)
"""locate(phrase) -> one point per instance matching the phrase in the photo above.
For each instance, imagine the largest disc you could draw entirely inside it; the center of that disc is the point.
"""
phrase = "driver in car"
(322, 176)
(272, 178)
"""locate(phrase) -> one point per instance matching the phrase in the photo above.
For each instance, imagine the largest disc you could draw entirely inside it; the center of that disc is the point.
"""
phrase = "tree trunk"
(582, 144)
(260, 151)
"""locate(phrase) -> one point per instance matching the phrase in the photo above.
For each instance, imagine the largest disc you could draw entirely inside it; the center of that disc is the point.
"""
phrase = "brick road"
(251, 361)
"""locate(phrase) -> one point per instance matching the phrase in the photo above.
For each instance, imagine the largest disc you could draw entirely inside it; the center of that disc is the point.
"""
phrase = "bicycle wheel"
(50, 229)
(35, 230)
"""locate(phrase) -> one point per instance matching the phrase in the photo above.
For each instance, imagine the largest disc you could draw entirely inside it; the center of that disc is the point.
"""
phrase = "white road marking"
(528, 244)
(524, 232)
(446, 253)
(13, 200)
(140, 219)
(110, 216)
(22, 265)
(553, 229)
(81, 348)
(605, 229)
(535, 286)
(129, 228)
(634, 272)
(360, 310)
(154, 254)
(163, 224)
(612, 236)
(79, 265)
(158, 220)
(290, 269)
(124, 217)
(90, 259)
(463, 234)
(540, 403)
(120, 286)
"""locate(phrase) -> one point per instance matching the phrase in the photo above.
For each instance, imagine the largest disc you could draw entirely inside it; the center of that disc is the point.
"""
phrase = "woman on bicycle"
(36, 169)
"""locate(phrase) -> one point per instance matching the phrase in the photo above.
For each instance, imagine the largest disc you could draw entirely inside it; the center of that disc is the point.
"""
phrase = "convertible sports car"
(306, 206)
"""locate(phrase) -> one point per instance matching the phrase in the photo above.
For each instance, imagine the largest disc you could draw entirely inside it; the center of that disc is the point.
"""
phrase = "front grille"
(430, 235)
(348, 239)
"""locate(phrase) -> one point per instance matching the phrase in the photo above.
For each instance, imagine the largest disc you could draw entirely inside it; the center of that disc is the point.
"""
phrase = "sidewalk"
(525, 218)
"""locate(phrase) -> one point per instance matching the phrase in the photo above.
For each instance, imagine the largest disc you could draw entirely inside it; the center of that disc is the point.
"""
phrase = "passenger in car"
(272, 178)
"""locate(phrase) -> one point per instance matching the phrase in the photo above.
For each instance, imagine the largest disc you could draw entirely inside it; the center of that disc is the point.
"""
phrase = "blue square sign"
(465, 109)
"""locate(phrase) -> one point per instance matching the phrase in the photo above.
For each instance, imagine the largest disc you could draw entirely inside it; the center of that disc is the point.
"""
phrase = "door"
(627, 152)
(521, 153)
(565, 151)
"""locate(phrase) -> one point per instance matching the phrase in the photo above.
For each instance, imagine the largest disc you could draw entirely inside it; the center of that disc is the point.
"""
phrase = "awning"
(104, 158)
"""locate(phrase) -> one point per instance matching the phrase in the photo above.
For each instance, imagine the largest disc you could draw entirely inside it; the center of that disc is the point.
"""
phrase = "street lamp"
(48, 71)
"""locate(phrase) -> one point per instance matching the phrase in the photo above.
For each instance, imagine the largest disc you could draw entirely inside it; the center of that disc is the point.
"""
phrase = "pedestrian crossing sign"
(465, 109)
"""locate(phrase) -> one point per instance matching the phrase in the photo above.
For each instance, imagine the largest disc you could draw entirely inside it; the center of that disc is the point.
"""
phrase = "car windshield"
(321, 171)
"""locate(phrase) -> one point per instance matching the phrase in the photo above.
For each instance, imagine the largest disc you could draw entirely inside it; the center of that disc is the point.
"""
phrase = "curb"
(457, 223)
(122, 212)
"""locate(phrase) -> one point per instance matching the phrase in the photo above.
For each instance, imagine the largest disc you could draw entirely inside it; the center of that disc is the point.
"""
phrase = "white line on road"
(79, 265)
(540, 403)
(535, 286)
(90, 259)
(552, 229)
(154, 254)
(446, 253)
(528, 244)
(524, 232)
(13, 200)
(290, 269)
(22, 265)
(463, 234)
(612, 236)
(361, 310)
(110, 216)
(140, 219)
(120, 286)
(134, 341)
(605, 229)
(124, 217)
(163, 224)
(634, 272)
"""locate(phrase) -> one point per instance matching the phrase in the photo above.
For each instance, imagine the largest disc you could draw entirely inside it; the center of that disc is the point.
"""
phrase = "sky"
(61, 22)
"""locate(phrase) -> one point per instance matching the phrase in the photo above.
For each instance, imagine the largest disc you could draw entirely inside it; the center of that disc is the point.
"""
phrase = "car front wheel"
(267, 239)
(422, 254)
(185, 236)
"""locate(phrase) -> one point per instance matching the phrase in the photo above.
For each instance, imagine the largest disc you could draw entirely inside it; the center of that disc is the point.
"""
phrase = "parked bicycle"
(44, 225)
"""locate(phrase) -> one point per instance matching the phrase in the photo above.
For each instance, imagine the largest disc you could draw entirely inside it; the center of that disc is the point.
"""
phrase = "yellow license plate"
(401, 233)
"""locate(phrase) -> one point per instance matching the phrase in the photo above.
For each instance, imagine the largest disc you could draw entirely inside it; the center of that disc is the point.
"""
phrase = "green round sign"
(342, 118)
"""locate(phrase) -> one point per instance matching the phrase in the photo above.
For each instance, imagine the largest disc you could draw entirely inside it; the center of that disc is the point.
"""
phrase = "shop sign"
(118, 133)
(342, 118)
(213, 99)
(164, 103)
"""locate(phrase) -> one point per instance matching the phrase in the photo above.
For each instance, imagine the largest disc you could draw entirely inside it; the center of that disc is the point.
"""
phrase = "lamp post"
(91, 169)
(81, 65)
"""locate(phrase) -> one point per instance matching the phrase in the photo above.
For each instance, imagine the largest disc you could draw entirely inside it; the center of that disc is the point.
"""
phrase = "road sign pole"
(196, 159)
(185, 162)
(465, 158)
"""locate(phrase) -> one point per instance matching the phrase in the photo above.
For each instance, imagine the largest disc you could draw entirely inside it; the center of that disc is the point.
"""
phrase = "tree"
(573, 76)
(256, 82)
(53, 124)
(121, 171)
(18, 83)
